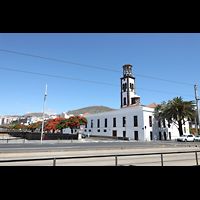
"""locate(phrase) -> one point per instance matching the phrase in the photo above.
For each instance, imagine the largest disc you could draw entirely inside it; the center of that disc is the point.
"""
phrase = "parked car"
(83, 135)
(197, 138)
(186, 138)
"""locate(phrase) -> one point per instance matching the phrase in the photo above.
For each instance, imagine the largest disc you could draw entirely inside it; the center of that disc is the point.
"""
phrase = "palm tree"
(176, 111)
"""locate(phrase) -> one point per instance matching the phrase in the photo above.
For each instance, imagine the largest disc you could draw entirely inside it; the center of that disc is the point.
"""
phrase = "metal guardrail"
(101, 156)
(7, 139)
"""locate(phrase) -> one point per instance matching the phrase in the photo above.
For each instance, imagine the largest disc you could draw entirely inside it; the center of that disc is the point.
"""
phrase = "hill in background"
(91, 110)
(39, 114)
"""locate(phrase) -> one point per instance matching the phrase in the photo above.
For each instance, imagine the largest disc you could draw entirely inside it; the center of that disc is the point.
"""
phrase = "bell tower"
(128, 94)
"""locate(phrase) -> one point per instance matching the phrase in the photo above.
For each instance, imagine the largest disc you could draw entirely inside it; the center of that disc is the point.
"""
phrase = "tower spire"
(128, 94)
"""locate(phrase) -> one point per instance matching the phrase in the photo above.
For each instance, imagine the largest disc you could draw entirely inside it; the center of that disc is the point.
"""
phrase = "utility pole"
(43, 112)
(197, 103)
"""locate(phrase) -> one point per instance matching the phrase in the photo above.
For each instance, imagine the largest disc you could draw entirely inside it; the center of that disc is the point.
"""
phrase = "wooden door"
(136, 135)
(115, 133)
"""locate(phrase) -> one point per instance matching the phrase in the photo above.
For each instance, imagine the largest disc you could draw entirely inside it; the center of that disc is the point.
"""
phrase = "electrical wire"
(64, 77)
(101, 68)
(73, 63)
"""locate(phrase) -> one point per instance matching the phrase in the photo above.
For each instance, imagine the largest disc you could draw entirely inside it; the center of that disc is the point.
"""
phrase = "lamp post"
(43, 112)
(197, 104)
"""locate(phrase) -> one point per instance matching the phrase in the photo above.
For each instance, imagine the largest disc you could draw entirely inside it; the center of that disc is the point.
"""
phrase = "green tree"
(35, 125)
(62, 124)
(75, 122)
(14, 126)
(176, 111)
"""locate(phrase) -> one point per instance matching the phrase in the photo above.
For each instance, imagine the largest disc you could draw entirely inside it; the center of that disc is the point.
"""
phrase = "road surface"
(17, 149)
(36, 146)
(66, 145)
(151, 160)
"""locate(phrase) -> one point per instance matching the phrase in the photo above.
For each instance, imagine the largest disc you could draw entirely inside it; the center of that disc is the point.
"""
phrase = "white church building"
(133, 119)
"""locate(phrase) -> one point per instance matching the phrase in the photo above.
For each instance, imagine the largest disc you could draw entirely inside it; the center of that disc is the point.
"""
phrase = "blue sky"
(172, 56)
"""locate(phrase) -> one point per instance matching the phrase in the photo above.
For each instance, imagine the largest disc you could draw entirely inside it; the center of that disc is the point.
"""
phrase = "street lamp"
(197, 104)
(43, 112)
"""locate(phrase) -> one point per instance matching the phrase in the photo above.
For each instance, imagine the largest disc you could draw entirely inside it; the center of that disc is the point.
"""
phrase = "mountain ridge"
(90, 109)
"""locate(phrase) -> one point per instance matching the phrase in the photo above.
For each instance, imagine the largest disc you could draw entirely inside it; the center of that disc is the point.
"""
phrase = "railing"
(7, 139)
(101, 156)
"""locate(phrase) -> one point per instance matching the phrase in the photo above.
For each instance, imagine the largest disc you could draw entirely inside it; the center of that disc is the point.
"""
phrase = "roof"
(152, 105)
(136, 104)
(86, 114)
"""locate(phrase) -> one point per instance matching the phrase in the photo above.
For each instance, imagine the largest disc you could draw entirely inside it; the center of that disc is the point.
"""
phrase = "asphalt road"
(89, 145)
(181, 159)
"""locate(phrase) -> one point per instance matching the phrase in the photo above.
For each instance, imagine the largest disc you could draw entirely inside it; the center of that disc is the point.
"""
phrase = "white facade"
(132, 120)
(65, 115)
(7, 119)
(136, 122)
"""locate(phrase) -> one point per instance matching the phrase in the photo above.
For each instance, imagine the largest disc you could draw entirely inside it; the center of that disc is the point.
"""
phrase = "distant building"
(4, 120)
(133, 119)
(65, 115)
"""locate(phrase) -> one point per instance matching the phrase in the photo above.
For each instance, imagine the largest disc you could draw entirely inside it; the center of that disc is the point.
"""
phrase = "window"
(106, 122)
(150, 121)
(160, 136)
(164, 123)
(98, 130)
(98, 123)
(165, 136)
(135, 121)
(159, 125)
(132, 100)
(104, 130)
(168, 124)
(92, 123)
(184, 129)
(114, 122)
(124, 86)
(131, 86)
(124, 133)
(151, 135)
(124, 100)
(124, 121)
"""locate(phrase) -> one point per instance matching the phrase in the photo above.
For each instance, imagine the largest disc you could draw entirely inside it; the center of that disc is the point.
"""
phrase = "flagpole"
(43, 112)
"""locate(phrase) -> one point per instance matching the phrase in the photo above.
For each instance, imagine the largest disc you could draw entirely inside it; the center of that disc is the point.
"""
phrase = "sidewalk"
(10, 139)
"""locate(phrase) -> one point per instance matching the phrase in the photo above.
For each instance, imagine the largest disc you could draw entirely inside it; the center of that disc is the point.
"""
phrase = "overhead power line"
(75, 79)
(90, 66)
(63, 77)
(73, 63)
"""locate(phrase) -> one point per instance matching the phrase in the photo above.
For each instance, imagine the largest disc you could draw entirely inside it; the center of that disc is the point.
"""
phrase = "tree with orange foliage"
(75, 122)
(52, 123)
